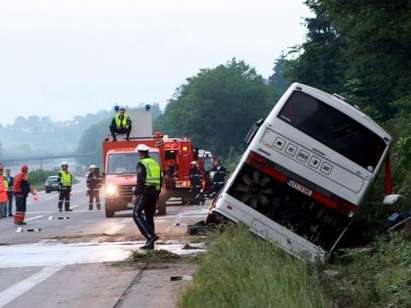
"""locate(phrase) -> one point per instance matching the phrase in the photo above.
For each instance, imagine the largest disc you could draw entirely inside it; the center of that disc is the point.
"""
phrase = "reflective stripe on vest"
(121, 123)
(153, 172)
(66, 178)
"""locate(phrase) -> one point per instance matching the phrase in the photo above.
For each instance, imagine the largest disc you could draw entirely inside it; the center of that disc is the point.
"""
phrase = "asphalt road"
(72, 259)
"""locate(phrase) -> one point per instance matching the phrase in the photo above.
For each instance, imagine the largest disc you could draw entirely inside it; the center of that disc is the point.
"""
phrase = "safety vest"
(66, 178)
(3, 189)
(121, 123)
(153, 172)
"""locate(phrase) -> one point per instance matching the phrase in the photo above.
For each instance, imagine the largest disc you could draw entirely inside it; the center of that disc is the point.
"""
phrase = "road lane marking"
(27, 284)
(34, 218)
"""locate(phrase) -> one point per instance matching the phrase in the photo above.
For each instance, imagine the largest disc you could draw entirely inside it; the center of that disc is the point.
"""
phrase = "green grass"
(241, 270)
(376, 277)
(153, 256)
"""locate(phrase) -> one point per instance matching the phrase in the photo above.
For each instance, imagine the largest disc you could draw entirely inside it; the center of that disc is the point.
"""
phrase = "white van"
(305, 172)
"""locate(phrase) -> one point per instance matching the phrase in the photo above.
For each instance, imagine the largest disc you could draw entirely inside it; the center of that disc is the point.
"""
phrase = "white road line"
(25, 285)
(34, 218)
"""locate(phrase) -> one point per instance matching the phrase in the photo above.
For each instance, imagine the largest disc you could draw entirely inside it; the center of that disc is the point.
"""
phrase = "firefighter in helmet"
(65, 182)
(196, 184)
(146, 195)
(121, 124)
(93, 187)
(217, 175)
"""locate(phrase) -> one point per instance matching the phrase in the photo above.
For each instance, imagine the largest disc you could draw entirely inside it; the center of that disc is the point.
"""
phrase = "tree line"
(360, 49)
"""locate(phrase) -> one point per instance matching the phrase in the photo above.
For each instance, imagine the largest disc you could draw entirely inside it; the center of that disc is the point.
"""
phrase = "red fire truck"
(120, 159)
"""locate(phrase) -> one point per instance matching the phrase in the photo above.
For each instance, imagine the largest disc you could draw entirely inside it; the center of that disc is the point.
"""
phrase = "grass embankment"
(241, 270)
(377, 276)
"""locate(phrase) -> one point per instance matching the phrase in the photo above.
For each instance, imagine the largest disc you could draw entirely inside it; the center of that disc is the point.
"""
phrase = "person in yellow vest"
(121, 124)
(65, 181)
(3, 193)
(146, 195)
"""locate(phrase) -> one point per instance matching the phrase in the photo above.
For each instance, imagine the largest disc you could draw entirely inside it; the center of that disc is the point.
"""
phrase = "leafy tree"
(278, 81)
(360, 49)
(217, 106)
(319, 61)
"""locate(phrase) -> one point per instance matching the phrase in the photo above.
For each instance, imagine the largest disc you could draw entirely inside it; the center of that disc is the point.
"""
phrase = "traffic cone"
(19, 218)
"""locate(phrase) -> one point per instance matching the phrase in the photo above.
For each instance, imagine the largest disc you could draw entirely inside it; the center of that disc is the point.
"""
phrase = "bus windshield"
(126, 163)
(334, 129)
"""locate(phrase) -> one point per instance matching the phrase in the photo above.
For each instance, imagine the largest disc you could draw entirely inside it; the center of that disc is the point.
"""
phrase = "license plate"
(300, 188)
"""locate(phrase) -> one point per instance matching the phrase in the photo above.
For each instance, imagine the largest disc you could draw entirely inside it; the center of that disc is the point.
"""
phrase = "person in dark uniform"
(121, 124)
(65, 182)
(196, 184)
(93, 187)
(146, 195)
(217, 175)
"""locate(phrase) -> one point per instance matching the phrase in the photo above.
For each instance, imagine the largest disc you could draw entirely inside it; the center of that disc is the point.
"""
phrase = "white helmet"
(92, 167)
(64, 163)
(142, 148)
(194, 162)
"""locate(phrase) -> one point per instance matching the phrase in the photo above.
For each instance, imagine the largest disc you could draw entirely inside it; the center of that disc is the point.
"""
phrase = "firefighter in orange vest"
(22, 188)
(3, 193)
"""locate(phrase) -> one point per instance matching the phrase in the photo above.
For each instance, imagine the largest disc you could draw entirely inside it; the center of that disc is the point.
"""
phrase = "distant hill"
(41, 135)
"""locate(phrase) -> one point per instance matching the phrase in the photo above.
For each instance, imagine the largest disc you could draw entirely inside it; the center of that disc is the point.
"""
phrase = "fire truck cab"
(120, 161)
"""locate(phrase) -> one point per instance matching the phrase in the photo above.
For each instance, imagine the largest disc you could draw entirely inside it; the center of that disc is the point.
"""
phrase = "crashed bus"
(305, 172)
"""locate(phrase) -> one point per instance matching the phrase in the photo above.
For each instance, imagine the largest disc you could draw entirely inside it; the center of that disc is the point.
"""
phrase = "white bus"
(305, 172)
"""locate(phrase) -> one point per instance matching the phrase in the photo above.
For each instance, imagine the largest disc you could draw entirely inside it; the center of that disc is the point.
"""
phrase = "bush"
(378, 276)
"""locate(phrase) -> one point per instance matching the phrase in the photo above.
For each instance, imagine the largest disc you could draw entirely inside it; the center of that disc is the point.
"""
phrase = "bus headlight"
(111, 190)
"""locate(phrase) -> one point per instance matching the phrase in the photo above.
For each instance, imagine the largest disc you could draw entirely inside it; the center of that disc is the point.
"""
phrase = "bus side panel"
(261, 225)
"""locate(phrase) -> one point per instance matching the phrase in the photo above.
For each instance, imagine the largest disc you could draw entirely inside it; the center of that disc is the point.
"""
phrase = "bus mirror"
(252, 132)
(391, 199)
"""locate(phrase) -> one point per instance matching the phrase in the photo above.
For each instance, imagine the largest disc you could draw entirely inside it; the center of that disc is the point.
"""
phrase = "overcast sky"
(67, 57)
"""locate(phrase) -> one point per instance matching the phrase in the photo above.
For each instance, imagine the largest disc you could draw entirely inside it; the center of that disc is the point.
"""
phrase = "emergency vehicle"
(305, 172)
(120, 160)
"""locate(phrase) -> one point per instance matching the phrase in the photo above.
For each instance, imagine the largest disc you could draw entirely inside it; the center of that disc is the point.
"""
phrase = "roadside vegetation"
(378, 275)
(242, 270)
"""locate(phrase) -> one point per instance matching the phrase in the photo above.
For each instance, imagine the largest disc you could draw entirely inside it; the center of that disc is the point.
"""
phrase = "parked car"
(52, 184)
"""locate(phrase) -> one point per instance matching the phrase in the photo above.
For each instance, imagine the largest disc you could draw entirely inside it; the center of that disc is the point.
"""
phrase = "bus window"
(334, 129)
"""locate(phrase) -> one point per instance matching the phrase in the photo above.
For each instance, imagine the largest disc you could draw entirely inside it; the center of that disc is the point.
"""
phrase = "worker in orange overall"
(22, 188)
(3, 193)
